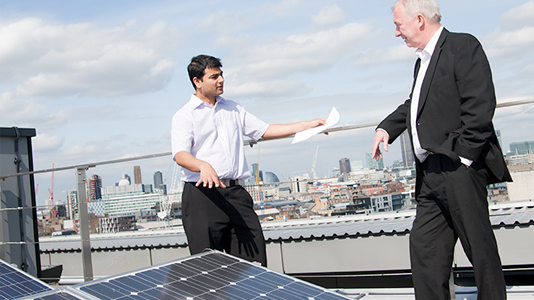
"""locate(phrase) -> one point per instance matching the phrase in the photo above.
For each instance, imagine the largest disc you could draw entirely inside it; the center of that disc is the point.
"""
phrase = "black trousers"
(222, 219)
(451, 204)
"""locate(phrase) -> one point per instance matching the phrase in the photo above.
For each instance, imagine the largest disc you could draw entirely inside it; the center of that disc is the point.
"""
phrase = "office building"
(126, 198)
(255, 172)
(95, 187)
(356, 165)
(158, 179)
(137, 175)
(408, 158)
(522, 148)
(372, 163)
(344, 165)
(72, 204)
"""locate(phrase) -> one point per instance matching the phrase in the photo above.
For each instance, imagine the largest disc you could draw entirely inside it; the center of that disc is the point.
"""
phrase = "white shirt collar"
(196, 102)
(429, 49)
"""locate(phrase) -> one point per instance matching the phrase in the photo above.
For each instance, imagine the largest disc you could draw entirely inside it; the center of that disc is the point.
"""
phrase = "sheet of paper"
(332, 120)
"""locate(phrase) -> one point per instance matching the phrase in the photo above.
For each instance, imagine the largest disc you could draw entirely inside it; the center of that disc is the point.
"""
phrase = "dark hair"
(199, 64)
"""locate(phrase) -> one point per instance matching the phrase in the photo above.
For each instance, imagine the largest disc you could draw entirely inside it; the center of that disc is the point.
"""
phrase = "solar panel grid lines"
(206, 276)
(15, 283)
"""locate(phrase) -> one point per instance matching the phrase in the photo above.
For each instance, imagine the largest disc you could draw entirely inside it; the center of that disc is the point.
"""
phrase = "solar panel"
(64, 294)
(209, 275)
(206, 276)
(15, 283)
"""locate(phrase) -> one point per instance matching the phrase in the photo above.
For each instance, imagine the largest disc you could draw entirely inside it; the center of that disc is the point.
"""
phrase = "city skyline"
(100, 80)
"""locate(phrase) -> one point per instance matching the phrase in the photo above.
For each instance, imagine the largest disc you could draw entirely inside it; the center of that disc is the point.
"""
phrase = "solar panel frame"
(60, 294)
(15, 283)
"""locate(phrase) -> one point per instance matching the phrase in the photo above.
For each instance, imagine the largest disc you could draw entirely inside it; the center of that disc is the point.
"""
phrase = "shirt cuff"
(466, 161)
(383, 130)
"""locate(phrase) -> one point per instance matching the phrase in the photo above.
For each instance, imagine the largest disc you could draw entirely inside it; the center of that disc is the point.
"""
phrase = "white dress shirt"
(215, 135)
(424, 55)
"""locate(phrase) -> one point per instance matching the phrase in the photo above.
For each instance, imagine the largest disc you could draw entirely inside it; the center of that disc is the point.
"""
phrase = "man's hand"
(316, 122)
(208, 177)
(380, 137)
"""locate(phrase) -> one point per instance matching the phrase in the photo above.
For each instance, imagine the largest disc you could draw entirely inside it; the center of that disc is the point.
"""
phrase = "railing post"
(452, 288)
(83, 216)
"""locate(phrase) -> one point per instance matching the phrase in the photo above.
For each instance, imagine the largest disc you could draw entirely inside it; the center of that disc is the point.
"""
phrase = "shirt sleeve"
(182, 137)
(253, 127)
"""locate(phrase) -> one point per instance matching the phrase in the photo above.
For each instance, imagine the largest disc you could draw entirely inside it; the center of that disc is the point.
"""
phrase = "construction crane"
(314, 170)
(259, 184)
(257, 178)
(51, 194)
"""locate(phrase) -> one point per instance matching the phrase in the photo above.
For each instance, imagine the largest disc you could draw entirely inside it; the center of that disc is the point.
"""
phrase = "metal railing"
(81, 169)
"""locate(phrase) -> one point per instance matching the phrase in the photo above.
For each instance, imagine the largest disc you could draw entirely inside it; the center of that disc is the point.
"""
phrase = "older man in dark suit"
(449, 117)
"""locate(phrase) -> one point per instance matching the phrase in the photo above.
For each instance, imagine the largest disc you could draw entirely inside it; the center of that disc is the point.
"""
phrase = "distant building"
(299, 183)
(521, 159)
(115, 224)
(126, 198)
(362, 205)
(256, 193)
(95, 187)
(72, 205)
(336, 172)
(499, 139)
(522, 188)
(398, 164)
(162, 188)
(408, 158)
(270, 177)
(372, 163)
(522, 148)
(390, 202)
(158, 179)
(344, 165)
(60, 211)
(370, 189)
(137, 175)
(356, 165)
(255, 172)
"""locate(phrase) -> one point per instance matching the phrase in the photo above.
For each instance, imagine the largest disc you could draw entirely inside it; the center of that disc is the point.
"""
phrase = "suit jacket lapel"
(415, 71)
(425, 87)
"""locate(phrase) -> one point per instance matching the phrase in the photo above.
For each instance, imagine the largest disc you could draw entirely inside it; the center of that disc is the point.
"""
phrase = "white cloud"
(28, 112)
(375, 56)
(515, 34)
(45, 142)
(518, 17)
(328, 16)
(281, 8)
(284, 57)
(272, 88)
(79, 59)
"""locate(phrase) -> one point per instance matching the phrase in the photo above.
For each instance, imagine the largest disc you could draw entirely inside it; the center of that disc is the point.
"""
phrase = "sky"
(101, 80)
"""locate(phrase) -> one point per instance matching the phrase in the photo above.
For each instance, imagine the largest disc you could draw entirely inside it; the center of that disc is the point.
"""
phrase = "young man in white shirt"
(207, 141)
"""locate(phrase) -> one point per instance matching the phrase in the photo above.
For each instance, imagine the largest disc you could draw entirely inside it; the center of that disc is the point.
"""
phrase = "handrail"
(250, 143)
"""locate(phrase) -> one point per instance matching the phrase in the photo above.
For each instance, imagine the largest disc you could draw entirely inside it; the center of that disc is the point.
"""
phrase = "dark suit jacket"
(456, 106)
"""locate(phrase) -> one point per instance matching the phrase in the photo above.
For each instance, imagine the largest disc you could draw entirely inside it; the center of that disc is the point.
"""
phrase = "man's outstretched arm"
(282, 130)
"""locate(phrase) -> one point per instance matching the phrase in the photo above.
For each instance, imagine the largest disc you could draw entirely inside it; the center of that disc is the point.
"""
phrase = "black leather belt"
(231, 182)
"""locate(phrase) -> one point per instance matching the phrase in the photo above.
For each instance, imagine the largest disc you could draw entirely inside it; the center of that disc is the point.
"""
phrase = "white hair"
(428, 8)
